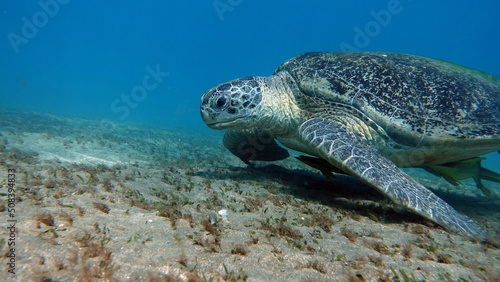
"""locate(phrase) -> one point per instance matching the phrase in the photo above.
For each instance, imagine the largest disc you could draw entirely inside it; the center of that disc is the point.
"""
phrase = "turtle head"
(232, 104)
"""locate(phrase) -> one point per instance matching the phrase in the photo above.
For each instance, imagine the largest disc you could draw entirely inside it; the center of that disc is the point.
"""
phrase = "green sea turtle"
(367, 114)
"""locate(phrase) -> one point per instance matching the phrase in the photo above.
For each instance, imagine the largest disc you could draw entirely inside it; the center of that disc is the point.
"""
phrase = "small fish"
(470, 168)
(322, 165)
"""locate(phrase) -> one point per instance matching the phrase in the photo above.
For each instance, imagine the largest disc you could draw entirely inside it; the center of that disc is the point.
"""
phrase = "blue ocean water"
(150, 61)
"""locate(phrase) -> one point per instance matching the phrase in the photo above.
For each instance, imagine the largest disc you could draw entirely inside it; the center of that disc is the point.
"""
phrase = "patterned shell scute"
(425, 96)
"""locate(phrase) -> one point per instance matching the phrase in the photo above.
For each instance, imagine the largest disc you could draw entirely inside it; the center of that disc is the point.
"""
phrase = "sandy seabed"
(118, 202)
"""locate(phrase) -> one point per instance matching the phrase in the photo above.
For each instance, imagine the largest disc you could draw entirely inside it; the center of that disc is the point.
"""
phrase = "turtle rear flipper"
(342, 148)
(253, 146)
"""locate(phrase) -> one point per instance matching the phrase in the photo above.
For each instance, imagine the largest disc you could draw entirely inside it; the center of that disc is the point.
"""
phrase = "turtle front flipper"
(344, 150)
(253, 146)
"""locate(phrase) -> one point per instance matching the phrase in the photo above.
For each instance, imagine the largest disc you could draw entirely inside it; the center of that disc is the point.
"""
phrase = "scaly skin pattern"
(342, 148)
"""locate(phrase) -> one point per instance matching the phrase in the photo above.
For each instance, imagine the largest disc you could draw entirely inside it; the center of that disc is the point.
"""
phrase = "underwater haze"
(90, 59)
(81, 57)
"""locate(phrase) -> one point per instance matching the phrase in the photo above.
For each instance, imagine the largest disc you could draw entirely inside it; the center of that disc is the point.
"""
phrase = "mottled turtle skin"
(367, 114)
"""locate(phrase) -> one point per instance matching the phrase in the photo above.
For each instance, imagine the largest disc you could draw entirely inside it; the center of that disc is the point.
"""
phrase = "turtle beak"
(205, 116)
(208, 118)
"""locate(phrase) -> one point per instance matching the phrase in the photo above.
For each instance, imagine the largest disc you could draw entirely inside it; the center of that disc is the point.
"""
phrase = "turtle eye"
(221, 101)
